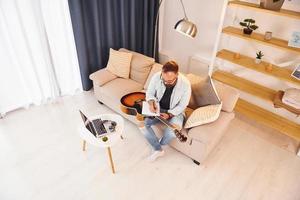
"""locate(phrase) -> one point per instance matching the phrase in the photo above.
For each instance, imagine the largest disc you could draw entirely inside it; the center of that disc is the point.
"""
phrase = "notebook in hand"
(146, 109)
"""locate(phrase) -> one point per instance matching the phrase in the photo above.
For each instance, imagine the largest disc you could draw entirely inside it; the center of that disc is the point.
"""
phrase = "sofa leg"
(100, 102)
(196, 162)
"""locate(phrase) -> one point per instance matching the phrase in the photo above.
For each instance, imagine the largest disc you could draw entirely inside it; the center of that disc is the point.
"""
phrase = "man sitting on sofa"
(172, 91)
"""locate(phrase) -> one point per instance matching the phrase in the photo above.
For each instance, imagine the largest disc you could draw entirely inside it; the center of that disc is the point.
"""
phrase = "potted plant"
(249, 25)
(259, 56)
(271, 4)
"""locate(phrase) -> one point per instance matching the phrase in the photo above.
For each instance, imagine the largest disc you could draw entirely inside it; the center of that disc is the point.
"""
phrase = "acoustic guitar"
(131, 104)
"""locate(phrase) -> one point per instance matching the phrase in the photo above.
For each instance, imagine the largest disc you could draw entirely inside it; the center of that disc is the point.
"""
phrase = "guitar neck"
(166, 122)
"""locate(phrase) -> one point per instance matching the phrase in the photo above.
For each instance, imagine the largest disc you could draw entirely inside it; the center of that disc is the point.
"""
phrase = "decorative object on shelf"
(249, 25)
(295, 13)
(269, 67)
(295, 40)
(271, 4)
(278, 102)
(258, 58)
(237, 56)
(296, 72)
(291, 97)
(268, 35)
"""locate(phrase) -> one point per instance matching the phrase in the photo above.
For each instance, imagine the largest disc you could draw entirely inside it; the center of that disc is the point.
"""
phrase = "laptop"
(96, 126)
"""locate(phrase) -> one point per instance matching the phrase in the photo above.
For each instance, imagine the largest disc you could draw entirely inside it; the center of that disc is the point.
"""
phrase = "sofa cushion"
(119, 63)
(203, 115)
(208, 132)
(140, 66)
(155, 68)
(228, 96)
(102, 76)
(120, 87)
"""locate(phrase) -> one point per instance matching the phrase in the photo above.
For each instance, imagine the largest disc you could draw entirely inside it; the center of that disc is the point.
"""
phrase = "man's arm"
(150, 93)
(183, 103)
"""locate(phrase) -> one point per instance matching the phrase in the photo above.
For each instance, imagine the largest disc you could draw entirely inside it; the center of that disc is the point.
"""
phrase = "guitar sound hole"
(138, 108)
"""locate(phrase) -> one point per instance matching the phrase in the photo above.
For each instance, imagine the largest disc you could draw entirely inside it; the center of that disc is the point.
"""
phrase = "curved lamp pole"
(183, 26)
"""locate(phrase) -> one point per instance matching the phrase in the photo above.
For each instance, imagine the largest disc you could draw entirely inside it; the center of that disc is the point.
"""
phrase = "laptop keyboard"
(99, 126)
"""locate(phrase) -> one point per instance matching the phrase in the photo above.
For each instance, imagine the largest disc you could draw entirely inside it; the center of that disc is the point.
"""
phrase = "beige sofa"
(202, 139)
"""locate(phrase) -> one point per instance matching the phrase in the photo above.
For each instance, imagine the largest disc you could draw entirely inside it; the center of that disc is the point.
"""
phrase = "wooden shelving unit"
(245, 61)
(256, 7)
(245, 85)
(268, 118)
(257, 37)
(248, 109)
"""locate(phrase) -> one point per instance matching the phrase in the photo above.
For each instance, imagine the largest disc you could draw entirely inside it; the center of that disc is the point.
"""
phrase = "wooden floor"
(41, 159)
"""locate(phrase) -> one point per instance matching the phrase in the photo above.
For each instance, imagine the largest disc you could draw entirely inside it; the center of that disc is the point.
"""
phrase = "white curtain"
(38, 60)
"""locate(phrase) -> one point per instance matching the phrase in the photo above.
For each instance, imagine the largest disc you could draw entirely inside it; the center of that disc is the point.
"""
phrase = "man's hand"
(152, 106)
(165, 116)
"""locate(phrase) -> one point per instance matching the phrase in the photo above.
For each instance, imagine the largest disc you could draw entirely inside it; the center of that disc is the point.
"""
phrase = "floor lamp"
(183, 26)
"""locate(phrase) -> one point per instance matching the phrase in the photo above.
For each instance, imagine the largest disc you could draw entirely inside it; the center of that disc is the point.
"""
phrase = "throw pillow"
(205, 94)
(119, 63)
(102, 76)
(140, 66)
(203, 115)
(204, 101)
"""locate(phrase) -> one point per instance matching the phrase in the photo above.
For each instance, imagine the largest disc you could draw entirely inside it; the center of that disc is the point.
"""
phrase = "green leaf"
(243, 24)
(252, 21)
(259, 55)
(253, 27)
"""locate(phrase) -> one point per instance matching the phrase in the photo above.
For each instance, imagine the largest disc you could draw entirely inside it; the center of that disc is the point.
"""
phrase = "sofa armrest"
(102, 76)
(228, 95)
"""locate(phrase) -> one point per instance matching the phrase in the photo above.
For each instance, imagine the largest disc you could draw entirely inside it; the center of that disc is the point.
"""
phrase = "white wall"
(205, 14)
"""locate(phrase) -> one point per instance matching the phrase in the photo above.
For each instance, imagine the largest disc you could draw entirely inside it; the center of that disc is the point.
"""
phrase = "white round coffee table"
(112, 138)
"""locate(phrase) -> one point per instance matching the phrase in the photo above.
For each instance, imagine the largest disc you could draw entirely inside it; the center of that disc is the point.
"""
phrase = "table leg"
(83, 145)
(111, 160)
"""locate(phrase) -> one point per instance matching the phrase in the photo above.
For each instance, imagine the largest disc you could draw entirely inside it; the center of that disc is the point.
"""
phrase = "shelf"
(268, 118)
(253, 6)
(245, 85)
(245, 61)
(279, 104)
(257, 37)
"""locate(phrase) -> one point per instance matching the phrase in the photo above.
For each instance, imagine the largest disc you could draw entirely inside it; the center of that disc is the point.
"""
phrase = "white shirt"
(180, 96)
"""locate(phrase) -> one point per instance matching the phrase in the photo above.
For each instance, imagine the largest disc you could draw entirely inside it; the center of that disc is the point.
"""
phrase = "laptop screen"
(88, 124)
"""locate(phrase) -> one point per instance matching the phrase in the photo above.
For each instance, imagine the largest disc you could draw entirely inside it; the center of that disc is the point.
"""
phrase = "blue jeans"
(168, 134)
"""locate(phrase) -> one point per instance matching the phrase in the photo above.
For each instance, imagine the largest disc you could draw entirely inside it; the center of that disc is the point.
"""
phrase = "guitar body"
(131, 104)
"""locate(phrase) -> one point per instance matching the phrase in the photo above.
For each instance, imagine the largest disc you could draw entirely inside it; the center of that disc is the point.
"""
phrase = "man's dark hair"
(170, 66)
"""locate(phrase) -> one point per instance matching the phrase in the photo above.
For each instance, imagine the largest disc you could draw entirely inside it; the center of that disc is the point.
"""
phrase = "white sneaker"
(155, 155)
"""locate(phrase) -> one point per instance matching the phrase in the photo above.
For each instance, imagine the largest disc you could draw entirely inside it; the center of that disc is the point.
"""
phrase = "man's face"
(169, 78)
